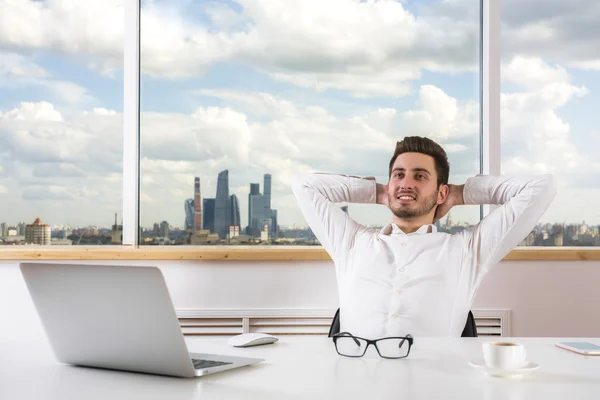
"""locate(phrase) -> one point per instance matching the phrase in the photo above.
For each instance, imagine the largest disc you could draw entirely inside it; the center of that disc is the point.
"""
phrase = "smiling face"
(413, 189)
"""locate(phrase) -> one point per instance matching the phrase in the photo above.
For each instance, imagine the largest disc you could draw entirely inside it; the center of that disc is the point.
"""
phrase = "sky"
(284, 87)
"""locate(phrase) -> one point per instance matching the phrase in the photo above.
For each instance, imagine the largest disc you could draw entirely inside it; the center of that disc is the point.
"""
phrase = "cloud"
(440, 116)
(42, 111)
(535, 139)
(365, 48)
(52, 157)
(103, 111)
(557, 31)
(92, 29)
(45, 193)
(533, 73)
(67, 92)
(45, 170)
(17, 71)
(14, 66)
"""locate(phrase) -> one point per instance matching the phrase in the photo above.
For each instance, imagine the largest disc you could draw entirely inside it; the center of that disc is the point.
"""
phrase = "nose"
(407, 183)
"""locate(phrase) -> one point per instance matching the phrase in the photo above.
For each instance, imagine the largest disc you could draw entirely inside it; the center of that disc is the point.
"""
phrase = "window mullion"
(490, 91)
(131, 123)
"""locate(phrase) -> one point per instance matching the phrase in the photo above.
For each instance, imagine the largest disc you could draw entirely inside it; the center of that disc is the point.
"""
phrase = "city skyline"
(163, 233)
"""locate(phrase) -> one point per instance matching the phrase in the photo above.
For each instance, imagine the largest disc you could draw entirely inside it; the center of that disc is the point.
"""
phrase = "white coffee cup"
(504, 355)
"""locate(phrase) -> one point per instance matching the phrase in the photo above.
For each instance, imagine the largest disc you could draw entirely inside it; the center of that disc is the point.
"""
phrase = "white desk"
(307, 367)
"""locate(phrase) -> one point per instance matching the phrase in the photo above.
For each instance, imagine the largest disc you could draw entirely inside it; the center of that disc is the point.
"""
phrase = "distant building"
(208, 223)
(222, 206)
(21, 228)
(264, 233)
(117, 232)
(235, 223)
(164, 229)
(260, 211)
(197, 205)
(188, 206)
(38, 233)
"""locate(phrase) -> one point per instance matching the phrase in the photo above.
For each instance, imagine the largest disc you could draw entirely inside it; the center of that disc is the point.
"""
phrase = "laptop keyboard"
(201, 364)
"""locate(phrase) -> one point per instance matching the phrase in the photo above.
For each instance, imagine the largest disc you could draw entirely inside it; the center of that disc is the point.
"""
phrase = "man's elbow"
(300, 181)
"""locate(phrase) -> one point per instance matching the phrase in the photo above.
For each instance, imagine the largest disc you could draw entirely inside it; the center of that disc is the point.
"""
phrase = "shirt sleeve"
(317, 194)
(523, 201)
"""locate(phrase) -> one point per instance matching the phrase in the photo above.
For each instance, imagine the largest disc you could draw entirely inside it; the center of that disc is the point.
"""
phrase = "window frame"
(490, 163)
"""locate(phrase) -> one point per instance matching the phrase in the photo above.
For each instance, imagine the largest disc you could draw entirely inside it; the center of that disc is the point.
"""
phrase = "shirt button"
(403, 244)
(394, 315)
(401, 269)
(398, 291)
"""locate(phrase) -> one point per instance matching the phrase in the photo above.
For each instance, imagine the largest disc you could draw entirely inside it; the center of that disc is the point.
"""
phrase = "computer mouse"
(252, 339)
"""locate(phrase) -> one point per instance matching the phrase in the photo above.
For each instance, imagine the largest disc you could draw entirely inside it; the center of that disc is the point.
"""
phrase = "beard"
(424, 206)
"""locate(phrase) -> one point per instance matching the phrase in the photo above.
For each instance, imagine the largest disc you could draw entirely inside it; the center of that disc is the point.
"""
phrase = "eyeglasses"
(349, 345)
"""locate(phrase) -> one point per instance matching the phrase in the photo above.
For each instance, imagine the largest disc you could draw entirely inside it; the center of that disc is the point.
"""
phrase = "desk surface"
(307, 367)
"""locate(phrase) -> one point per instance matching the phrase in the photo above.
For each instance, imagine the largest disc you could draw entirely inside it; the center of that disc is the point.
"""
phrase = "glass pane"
(237, 97)
(61, 129)
(550, 97)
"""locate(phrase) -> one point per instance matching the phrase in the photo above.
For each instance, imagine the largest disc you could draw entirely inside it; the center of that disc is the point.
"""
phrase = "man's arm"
(317, 194)
(523, 200)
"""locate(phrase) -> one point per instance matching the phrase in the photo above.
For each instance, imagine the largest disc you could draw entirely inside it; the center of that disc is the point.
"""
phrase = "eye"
(421, 176)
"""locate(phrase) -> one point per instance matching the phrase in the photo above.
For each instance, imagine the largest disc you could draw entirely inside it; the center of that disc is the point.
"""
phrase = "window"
(236, 97)
(61, 132)
(550, 97)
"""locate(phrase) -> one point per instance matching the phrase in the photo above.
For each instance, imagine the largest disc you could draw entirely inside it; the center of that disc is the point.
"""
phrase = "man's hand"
(381, 195)
(455, 198)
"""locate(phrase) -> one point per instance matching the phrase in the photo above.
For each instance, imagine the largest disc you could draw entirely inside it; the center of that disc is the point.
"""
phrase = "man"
(408, 278)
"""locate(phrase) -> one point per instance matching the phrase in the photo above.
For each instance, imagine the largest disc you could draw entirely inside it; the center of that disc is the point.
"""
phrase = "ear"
(443, 193)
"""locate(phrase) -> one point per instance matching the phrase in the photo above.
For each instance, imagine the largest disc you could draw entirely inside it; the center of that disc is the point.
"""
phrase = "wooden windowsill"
(247, 253)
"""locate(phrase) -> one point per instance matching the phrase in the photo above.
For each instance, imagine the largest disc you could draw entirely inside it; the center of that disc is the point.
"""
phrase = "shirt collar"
(392, 228)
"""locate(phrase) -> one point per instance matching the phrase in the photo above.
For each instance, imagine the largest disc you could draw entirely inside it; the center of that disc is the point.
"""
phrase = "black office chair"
(469, 331)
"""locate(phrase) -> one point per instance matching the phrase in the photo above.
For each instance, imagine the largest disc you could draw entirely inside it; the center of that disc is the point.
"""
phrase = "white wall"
(545, 298)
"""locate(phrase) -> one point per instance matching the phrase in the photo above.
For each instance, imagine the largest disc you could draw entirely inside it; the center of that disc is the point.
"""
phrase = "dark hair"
(423, 145)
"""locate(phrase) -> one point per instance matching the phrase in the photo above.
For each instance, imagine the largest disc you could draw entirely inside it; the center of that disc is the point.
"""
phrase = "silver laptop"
(116, 317)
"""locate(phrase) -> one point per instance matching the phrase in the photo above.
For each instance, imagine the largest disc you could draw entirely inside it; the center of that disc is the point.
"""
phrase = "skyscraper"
(222, 208)
(267, 187)
(208, 221)
(260, 212)
(188, 206)
(254, 191)
(235, 210)
(197, 205)
(234, 206)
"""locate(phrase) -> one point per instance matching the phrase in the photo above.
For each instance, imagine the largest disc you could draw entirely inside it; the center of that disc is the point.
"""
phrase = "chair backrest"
(470, 329)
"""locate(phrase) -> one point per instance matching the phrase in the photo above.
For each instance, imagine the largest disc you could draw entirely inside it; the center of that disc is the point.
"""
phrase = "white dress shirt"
(391, 283)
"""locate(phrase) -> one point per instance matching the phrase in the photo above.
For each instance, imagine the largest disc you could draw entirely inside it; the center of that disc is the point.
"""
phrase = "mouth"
(406, 198)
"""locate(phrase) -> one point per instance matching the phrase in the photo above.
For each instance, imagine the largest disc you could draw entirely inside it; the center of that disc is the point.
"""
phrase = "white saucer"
(526, 368)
